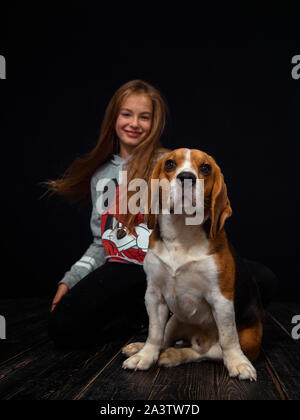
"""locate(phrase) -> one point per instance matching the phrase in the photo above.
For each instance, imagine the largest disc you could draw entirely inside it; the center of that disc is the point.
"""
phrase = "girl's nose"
(134, 122)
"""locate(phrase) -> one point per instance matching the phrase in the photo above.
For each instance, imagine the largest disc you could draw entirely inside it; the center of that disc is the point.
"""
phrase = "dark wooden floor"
(31, 368)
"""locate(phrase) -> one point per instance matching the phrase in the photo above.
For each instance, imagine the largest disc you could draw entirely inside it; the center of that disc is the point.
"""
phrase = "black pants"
(106, 304)
(109, 303)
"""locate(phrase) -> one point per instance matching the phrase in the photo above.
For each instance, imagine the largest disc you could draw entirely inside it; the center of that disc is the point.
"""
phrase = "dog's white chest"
(183, 274)
(174, 256)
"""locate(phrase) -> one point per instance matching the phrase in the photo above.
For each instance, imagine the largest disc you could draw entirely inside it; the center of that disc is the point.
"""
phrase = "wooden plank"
(26, 326)
(210, 381)
(16, 373)
(41, 371)
(114, 383)
(25, 321)
(82, 370)
(50, 373)
(283, 356)
(23, 336)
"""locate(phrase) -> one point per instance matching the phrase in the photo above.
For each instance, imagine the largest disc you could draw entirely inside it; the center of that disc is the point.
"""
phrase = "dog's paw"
(132, 349)
(139, 362)
(242, 369)
(170, 357)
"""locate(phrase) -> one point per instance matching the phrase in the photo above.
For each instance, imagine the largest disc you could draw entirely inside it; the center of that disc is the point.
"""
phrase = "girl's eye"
(145, 118)
(170, 165)
(125, 115)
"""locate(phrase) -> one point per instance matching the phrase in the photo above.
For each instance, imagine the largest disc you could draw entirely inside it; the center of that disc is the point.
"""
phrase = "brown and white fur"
(195, 273)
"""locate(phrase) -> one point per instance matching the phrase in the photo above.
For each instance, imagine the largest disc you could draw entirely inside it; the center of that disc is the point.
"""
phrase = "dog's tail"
(266, 280)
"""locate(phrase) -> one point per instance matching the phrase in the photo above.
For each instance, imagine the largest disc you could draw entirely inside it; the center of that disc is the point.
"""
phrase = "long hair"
(75, 183)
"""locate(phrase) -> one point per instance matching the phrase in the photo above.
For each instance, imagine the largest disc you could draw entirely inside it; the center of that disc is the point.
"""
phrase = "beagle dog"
(194, 272)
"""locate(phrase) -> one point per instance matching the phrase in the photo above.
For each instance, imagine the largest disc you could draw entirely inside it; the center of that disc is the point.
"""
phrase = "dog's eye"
(205, 169)
(170, 165)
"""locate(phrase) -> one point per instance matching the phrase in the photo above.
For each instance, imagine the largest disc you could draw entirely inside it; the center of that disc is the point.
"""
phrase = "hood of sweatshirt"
(118, 160)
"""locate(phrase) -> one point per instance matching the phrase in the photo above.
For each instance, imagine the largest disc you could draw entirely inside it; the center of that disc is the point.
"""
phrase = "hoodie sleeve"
(95, 255)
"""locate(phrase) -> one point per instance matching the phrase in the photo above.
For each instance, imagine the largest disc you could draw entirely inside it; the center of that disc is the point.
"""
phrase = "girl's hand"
(61, 291)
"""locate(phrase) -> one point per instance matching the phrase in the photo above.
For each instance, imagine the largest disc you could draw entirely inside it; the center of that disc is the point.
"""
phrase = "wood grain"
(32, 368)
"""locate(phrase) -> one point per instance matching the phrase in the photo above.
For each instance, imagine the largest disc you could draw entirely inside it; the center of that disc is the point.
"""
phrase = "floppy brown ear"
(151, 218)
(220, 208)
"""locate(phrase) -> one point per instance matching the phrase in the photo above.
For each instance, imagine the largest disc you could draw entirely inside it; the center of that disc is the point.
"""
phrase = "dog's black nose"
(186, 175)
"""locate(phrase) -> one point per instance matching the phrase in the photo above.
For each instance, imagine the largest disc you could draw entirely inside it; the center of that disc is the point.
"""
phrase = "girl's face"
(134, 122)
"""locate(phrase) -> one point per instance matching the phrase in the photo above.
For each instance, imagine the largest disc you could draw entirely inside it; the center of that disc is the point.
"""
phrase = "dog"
(194, 272)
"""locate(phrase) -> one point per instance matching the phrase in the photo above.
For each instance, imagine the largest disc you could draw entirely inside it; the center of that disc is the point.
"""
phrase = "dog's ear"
(220, 208)
(152, 195)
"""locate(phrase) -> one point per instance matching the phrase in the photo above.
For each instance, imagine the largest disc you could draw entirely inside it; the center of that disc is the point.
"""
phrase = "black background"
(226, 76)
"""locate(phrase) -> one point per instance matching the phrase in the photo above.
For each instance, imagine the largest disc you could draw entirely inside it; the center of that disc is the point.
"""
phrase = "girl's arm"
(95, 255)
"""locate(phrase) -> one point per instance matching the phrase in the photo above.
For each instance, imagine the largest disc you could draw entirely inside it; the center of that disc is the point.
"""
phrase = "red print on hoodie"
(118, 244)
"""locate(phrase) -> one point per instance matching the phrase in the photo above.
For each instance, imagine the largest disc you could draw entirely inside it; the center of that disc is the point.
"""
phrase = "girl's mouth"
(132, 133)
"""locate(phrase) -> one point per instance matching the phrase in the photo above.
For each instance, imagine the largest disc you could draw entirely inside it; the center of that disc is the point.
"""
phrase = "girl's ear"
(220, 208)
(152, 196)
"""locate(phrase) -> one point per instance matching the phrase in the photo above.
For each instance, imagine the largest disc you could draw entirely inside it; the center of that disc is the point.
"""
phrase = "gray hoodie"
(109, 244)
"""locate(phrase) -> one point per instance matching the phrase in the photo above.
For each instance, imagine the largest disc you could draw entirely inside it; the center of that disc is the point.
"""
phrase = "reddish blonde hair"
(75, 183)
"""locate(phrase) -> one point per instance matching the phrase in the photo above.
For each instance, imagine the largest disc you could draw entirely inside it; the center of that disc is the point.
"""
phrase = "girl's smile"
(133, 133)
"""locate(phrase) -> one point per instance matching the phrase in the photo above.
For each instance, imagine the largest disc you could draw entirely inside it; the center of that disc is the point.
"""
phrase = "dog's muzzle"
(186, 175)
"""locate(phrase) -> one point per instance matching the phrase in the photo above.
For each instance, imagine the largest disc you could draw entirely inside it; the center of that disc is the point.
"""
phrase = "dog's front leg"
(236, 362)
(158, 315)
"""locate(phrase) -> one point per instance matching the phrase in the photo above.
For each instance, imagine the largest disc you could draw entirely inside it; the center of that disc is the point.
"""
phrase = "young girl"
(113, 286)
(102, 295)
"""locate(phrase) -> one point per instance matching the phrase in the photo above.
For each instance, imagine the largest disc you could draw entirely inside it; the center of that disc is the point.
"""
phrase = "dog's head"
(184, 167)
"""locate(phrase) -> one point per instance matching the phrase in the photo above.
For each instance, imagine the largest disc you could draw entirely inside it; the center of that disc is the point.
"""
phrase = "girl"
(112, 292)
(102, 295)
